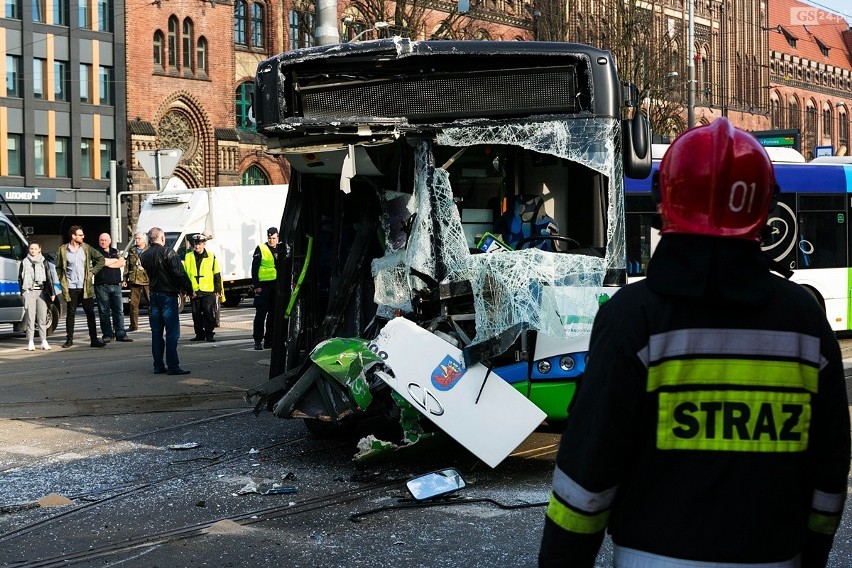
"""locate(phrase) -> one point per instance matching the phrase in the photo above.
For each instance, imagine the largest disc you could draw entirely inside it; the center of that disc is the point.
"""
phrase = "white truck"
(237, 216)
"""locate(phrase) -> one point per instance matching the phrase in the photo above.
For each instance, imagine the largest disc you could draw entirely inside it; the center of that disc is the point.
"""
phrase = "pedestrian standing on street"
(136, 278)
(711, 427)
(263, 275)
(202, 267)
(108, 292)
(37, 289)
(76, 266)
(167, 281)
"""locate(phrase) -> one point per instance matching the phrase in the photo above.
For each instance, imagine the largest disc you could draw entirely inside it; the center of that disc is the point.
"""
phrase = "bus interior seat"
(524, 219)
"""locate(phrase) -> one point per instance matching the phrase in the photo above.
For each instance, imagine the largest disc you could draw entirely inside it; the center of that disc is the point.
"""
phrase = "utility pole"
(327, 32)
(690, 76)
(114, 215)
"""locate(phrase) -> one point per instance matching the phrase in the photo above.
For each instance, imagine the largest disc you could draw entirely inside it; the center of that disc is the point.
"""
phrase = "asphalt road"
(92, 474)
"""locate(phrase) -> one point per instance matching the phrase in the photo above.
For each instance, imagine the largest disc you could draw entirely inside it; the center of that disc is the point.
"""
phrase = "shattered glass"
(556, 293)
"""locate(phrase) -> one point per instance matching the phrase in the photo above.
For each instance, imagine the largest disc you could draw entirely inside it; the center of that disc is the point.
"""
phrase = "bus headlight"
(543, 367)
(566, 363)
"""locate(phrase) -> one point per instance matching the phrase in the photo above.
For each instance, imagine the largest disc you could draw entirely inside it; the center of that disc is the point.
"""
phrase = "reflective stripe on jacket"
(203, 281)
(266, 272)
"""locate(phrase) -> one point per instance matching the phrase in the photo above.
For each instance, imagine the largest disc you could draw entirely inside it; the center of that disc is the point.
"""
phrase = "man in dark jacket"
(712, 424)
(167, 281)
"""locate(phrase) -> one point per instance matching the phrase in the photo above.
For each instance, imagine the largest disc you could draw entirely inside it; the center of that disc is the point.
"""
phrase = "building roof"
(824, 31)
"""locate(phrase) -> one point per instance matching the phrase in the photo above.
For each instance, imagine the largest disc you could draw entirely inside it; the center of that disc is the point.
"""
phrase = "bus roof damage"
(455, 218)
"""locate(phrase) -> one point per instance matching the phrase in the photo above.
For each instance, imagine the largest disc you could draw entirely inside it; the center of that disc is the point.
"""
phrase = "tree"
(646, 49)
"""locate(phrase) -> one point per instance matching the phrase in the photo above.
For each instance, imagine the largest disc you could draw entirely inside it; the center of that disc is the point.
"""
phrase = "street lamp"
(690, 105)
(376, 27)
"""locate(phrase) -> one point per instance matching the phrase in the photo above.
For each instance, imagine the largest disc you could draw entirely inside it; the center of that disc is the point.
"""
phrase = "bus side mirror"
(636, 145)
(435, 484)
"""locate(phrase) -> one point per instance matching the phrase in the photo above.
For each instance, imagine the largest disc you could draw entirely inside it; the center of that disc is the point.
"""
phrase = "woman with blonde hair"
(36, 287)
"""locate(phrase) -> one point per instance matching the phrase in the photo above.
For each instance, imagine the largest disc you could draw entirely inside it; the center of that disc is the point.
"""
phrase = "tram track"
(245, 518)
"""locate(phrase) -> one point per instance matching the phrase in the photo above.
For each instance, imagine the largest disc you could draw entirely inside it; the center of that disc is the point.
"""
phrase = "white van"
(13, 249)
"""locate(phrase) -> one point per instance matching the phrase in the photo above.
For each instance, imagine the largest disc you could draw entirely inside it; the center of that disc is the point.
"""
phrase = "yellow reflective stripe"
(824, 524)
(734, 421)
(573, 521)
(740, 372)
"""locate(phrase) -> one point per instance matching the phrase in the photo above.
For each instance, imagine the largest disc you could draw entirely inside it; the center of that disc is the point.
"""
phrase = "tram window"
(821, 241)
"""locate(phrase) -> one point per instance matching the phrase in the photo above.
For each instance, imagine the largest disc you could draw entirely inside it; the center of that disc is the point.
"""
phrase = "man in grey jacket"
(76, 265)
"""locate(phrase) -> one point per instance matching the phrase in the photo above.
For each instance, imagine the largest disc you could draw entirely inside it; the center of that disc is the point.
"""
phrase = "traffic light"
(121, 176)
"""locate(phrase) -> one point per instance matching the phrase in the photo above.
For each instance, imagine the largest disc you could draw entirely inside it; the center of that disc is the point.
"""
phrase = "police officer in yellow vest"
(202, 267)
(263, 280)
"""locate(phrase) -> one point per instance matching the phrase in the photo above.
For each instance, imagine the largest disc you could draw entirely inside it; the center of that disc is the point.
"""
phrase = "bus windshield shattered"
(455, 218)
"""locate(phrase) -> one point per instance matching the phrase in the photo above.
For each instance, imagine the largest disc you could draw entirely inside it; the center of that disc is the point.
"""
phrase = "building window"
(86, 157)
(13, 155)
(173, 54)
(257, 25)
(240, 24)
(810, 133)
(201, 55)
(775, 113)
(254, 175)
(826, 123)
(188, 42)
(301, 29)
(106, 85)
(12, 9)
(107, 154)
(60, 149)
(38, 11)
(105, 15)
(158, 50)
(39, 77)
(843, 129)
(85, 81)
(40, 155)
(793, 120)
(243, 105)
(60, 12)
(61, 81)
(14, 76)
(83, 14)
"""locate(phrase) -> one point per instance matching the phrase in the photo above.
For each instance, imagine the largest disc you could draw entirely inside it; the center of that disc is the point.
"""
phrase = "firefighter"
(202, 268)
(711, 427)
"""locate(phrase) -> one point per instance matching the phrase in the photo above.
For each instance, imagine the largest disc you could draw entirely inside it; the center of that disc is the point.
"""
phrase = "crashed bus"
(455, 217)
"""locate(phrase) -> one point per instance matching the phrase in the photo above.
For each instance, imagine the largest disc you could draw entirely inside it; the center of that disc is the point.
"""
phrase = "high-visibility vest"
(202, 281)
(266, 271)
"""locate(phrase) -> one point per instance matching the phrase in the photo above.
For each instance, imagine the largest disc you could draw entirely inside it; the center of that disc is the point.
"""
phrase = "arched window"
(173, 33)
(254, 175)
(240, 24)
(843, 128)
(257, 25)
(810, 130)
(188, 42)
(201, 55)
(827, 121)
(301, 29)
(159, 45)
(793, 120)
(243, 106)
(775, 111)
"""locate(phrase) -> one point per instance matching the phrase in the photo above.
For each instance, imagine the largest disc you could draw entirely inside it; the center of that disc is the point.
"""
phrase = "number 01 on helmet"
(716, 180)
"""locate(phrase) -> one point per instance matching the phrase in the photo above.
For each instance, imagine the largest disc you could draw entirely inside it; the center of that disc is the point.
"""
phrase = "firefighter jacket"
(203, 271)
(712, 422)
(263, 265)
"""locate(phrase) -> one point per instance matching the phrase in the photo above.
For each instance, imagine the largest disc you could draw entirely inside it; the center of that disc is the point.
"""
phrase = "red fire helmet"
(716, 180)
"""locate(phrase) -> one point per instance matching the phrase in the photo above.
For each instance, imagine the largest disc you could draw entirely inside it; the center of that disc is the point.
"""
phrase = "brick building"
(810, 75)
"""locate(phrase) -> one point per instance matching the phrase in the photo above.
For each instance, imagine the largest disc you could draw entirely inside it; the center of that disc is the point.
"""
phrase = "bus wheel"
(321, 428)
(52, 318)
